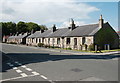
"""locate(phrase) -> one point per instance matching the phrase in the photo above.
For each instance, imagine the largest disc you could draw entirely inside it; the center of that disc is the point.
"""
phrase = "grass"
(103, 51)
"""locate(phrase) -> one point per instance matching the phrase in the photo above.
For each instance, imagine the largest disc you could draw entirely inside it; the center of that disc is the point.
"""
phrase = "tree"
(43, 27)
(32, 26)
(21, 27)
(11, 27)
(8, 27)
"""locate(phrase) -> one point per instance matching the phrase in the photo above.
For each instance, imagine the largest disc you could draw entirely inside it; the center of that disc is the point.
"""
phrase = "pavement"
(70, 51)
(47, 65)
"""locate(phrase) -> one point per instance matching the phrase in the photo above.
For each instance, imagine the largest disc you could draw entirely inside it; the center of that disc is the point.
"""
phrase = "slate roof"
(45, 34)
(21, 36)
(86, 30)
(59, 32)
(12, 37)
(34, 34)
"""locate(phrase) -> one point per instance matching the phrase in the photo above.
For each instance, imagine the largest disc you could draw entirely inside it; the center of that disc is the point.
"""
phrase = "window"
(68, 41)
(58, 40)
(75, 41)
(36, 40)
(48, 40)
(83, 40)
(32, 40)
(53, 40)
(39, 40)
(42, 40)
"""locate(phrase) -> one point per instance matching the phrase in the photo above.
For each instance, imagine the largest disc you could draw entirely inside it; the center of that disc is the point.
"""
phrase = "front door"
(75, 42)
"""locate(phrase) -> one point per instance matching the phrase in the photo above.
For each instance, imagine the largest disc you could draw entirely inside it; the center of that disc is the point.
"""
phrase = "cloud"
(45, 11)
(77, 23)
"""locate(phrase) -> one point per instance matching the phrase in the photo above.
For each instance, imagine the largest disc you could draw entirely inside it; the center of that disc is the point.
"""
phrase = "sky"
(49, 12)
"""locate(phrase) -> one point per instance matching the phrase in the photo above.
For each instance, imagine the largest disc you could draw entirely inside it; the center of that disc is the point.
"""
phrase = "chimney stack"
(54, 28)
(72, 25)
(101, 22)
(42, 30)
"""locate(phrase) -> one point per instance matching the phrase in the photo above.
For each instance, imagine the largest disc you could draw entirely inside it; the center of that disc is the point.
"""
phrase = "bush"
(52, 47)
(91, 47)
(86, 46)
(40, 44)
(46, 46)
(68, 48)
(12, 43)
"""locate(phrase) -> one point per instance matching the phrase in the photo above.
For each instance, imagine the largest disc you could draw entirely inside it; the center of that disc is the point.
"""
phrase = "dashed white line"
(23, 66)
(15, 68)
(16, 78)
(43, 77)
(28, 69)
(35, 73)
(23, 75)
(8, 63)
(11, 65)
(16, 62)
(19, 64)
(18, 71)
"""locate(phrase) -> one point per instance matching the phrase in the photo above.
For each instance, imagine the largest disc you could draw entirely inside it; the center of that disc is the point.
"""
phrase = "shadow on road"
(28, 58)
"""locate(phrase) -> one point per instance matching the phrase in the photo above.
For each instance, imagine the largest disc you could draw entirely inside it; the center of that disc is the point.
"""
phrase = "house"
(21, 38)
(75, 37)
(31, 39)
(18, 38)
(81, 37)
(12, 38)
(119, 37)
(5, 38)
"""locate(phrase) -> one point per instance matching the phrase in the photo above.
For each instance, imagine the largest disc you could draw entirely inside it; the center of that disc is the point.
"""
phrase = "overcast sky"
(49, 12)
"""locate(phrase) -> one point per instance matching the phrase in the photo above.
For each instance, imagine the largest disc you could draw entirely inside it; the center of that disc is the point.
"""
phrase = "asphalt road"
(37, 64)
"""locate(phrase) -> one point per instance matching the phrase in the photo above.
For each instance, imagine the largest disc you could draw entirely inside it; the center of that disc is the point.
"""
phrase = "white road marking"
(11, 65)
(16, 78)
(43, 77)
(23, 75)
(35, 73)
(18, 71)
(19, 64)
(16, 62)
(15, 68)
(8, 63)
(28, 69)
(23, 66)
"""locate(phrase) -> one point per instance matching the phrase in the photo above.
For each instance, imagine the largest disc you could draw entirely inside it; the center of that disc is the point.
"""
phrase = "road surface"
(36, 64)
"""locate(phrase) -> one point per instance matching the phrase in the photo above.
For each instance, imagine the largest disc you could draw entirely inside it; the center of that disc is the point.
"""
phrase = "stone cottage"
(74, 37)
(81, 37)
